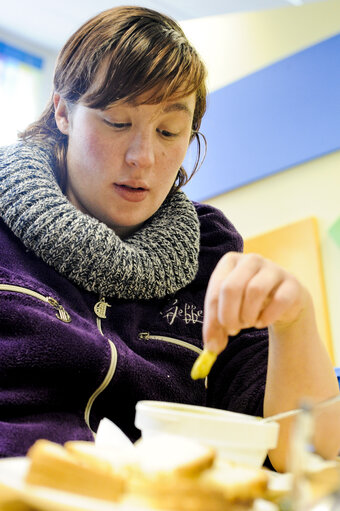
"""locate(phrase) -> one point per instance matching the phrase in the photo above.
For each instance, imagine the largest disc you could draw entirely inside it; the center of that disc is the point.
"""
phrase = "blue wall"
(276, 118)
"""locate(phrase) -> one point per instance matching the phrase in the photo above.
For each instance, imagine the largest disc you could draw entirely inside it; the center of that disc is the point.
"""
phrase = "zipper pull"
(144, 336)
(100, 308)
(61, 314)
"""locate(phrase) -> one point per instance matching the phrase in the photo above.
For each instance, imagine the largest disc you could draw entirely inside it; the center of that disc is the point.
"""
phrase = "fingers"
(284, 305)
(239, 297)
(244, 291)
(215, 335)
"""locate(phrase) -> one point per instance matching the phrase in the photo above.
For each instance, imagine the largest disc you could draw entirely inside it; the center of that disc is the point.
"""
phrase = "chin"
(124, 230)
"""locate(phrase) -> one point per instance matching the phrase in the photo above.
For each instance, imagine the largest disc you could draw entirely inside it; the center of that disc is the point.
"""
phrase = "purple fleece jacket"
(59, 379)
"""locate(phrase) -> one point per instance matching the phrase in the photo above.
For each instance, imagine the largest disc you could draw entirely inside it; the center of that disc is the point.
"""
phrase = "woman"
(106, 266)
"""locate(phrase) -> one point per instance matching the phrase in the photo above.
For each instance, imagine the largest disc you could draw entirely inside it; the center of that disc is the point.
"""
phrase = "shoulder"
(34, 153)
(216, 229)
(217, 237)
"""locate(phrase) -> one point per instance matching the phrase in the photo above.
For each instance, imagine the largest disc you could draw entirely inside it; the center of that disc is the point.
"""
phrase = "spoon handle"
(291, 413)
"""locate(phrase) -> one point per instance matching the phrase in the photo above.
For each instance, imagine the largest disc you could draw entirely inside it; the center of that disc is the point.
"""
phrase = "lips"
(132, 187)
(131, 193)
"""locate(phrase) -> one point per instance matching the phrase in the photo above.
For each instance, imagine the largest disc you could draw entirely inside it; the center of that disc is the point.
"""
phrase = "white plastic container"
(235, 436)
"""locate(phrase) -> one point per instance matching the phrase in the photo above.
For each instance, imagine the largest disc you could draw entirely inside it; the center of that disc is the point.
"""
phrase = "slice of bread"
(115, 459)
(181, 493)
(178, 474)
(165, 472)
(237, 482)
(77, 470)
(164, 453)
(215, 489)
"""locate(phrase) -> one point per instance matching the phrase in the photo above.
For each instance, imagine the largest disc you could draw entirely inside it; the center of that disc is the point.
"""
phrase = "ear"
(61, 113)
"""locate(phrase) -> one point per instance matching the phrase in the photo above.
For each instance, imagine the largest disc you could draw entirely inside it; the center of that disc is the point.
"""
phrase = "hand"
(246, 290)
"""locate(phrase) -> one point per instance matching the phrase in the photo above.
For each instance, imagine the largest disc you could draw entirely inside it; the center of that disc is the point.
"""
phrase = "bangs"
(157, 68)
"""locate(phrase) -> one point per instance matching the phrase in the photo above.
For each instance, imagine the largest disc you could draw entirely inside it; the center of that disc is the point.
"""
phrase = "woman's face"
(123, 161)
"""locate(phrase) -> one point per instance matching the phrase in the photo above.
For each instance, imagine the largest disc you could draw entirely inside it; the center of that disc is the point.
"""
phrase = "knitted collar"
(157, 260)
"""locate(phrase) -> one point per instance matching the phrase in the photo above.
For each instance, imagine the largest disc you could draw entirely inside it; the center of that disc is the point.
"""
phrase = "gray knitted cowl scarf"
(157, 260)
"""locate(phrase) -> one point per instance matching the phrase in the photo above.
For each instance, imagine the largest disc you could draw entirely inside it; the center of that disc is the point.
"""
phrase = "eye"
(166, 133)
(117, 125)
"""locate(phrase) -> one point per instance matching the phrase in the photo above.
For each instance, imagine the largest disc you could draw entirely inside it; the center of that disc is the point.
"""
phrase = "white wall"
(311, 189)
(49, 58)
(236, 45)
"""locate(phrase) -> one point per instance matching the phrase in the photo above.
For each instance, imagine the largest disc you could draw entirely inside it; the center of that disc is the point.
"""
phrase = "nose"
(140, 152)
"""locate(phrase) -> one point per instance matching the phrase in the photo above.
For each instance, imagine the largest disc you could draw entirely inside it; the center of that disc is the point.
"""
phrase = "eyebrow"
(178, 107)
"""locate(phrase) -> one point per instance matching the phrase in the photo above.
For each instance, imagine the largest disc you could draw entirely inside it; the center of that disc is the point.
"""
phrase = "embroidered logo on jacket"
(188, 313)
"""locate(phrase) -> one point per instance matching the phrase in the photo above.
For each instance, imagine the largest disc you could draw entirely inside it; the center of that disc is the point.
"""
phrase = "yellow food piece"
(203, 364)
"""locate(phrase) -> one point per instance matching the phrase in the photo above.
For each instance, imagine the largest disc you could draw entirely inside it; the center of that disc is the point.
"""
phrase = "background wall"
(311, 189)
(24, 90)
(247, 43)
(48, 57)
(234, 46)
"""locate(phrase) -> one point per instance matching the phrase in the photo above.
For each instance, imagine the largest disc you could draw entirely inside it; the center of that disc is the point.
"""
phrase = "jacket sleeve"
(237, 380)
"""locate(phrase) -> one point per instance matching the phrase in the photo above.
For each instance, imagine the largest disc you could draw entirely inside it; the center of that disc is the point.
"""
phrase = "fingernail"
(213, 345)
(233, 332)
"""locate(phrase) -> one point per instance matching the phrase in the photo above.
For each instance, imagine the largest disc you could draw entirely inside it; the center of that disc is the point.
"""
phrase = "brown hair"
(139, 50)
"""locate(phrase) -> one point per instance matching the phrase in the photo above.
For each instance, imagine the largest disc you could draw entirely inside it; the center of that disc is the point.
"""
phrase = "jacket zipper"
(145, 336)
(100, 311)
(61, 313)
(64, 316)
(102, 386)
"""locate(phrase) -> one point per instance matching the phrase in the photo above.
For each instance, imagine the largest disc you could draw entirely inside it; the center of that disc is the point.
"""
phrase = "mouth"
(131, 193)
(132, 188)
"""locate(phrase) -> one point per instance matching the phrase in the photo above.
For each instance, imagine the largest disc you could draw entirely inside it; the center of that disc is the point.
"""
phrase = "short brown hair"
(139, 50)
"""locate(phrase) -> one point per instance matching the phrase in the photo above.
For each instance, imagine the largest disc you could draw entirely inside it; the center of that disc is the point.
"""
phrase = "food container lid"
(220, 426)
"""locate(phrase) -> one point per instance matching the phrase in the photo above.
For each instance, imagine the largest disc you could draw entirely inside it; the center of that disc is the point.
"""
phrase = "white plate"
(13, 487)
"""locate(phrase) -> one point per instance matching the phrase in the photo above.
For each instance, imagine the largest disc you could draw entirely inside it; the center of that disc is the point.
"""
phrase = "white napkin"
(111, 440)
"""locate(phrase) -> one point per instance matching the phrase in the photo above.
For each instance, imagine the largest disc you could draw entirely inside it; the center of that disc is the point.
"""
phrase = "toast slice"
(165, 472)
(178, 474)
(231, 488)
(165, 453)
(77, 470)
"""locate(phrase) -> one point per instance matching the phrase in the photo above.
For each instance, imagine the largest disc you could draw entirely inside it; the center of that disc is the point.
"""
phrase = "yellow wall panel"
(296, 247)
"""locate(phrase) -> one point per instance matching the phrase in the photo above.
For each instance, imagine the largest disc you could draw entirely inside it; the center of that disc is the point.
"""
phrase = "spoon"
(290, 413)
